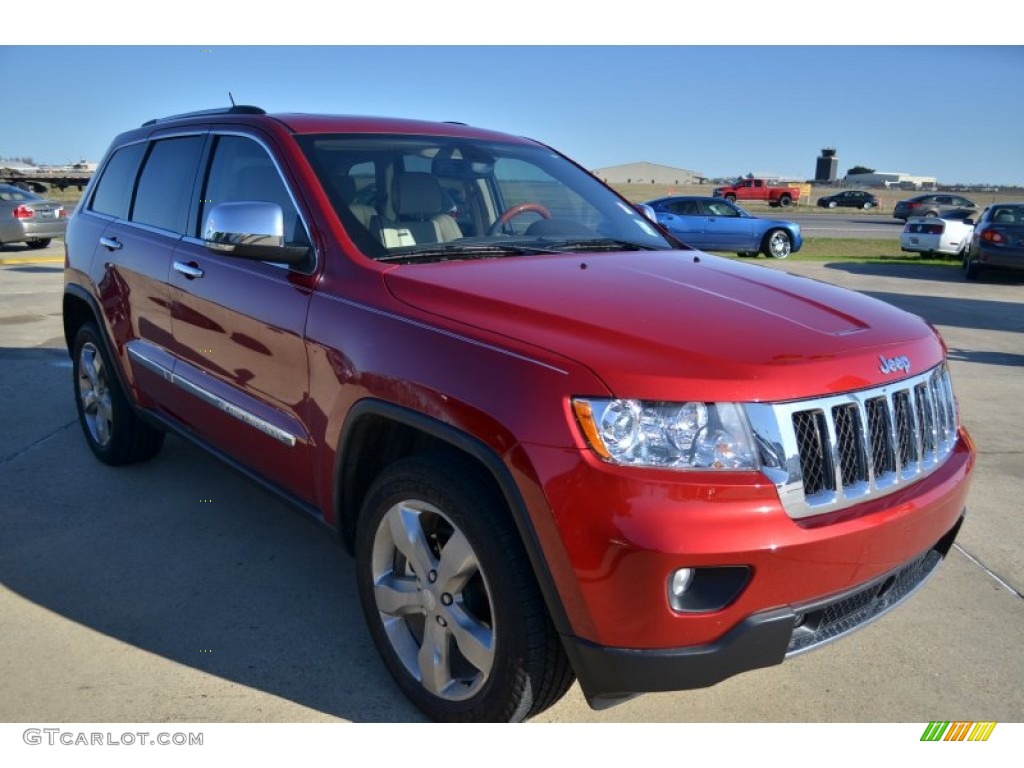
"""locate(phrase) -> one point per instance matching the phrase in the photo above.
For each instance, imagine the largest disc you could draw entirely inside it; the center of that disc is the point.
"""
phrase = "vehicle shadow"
(180, 557)
(34, 269)
(961, 311)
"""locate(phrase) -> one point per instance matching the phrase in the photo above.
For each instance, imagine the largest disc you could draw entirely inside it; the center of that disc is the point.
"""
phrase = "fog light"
(681, 581)
(705, 589)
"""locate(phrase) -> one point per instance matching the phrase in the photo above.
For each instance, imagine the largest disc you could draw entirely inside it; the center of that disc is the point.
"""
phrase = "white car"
(951, 236)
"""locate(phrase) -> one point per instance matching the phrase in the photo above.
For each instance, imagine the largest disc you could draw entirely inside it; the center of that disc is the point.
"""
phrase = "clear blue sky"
(956, 113)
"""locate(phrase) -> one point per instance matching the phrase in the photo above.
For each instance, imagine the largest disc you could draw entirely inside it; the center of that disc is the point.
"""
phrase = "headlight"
(671, 435)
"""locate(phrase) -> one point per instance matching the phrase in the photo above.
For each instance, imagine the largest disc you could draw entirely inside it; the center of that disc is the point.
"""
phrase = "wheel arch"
(377, 433)
(78, 309)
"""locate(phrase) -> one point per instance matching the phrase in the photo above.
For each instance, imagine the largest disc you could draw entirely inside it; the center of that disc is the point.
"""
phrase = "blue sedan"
(714, 224)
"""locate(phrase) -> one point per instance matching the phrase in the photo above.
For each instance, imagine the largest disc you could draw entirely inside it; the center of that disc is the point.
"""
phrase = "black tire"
(777, 244)
(37, 244)
(930, 214)
(867, 206)
(731, 198)
(747, 254)
(785, 201)
(495, 654)
(832, 203)
(972, 270)
(112, 428)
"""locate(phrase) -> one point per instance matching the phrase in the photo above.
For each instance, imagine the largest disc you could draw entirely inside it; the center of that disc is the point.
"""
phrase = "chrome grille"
(829, 453)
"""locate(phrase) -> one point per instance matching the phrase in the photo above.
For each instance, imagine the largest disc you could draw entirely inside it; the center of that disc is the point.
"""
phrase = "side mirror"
(647, 211)
(250, 230)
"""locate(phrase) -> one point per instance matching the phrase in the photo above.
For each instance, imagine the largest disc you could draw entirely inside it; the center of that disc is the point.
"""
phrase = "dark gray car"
(25, 217)
(934, 204)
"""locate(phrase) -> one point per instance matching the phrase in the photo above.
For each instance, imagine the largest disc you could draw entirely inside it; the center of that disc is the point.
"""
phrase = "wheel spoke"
(398, 595)
(434, 660)
(89, 401)
(407, 533)
(88, 366)
(457, 564)
(104, 418)
(475, 641)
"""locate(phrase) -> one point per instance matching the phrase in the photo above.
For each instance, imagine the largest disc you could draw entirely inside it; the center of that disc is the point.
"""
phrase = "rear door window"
(165, 187)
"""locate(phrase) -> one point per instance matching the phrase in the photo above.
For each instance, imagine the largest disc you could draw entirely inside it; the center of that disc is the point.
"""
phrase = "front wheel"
(114, 432)
(777, 244)
(449, 596)
(37, 244)
(832, 203)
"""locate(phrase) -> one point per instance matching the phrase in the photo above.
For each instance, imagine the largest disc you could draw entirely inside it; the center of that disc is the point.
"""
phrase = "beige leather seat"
(419, 206)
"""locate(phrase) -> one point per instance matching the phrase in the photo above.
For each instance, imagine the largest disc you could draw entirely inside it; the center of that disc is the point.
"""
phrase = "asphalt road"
(846, 225)
(177, 591)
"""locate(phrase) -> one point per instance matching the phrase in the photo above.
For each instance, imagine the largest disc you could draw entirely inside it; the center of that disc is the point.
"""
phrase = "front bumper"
(607, 676)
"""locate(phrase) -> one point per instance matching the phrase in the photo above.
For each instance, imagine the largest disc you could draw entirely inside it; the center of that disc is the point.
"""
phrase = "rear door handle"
(111, 243)
(191, 271)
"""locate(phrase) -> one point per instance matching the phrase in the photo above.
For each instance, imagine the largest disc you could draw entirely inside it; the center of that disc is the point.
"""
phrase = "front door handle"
(111, 243)
(191, 271)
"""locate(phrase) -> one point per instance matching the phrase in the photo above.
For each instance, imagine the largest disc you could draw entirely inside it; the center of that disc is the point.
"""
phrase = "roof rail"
(240, 109)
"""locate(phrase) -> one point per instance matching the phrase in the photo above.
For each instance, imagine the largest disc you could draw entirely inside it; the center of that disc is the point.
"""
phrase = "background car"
(998, 240)
(715, 224)
(932, 205)
(851, 198)
(25, 217)
(950, 235)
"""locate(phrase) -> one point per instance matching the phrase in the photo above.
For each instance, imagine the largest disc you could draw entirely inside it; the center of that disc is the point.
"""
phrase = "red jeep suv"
(560, 444)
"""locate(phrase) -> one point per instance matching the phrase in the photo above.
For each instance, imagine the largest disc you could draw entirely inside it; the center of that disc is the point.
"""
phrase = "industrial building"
(890, 180)
(648, 173)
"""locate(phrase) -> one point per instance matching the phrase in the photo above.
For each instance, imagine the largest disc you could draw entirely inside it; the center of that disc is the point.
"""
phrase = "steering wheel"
(514, 211)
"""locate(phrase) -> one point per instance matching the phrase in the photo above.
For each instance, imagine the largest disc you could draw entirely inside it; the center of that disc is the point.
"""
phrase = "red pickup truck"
(759, 189)
(559, 443)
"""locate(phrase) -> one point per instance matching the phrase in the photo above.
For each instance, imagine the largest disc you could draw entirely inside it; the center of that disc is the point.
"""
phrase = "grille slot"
(830, 453)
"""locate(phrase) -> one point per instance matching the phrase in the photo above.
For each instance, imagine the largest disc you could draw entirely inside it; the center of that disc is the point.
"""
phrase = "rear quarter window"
(113, 194)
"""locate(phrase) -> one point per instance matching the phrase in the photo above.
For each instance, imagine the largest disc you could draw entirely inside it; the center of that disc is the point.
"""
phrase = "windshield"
(426, 198)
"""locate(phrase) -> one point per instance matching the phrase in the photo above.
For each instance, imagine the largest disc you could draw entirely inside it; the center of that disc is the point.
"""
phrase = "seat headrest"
(344, 186)
(416, 195)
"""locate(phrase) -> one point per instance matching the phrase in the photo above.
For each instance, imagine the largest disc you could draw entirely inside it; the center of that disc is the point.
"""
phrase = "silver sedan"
(25, 217)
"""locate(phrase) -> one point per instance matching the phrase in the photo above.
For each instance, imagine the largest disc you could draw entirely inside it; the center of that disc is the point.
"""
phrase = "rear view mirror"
(458, 168)
(647, 211)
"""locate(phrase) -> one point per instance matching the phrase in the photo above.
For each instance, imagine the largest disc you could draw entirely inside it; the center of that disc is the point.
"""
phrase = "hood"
(678, 324)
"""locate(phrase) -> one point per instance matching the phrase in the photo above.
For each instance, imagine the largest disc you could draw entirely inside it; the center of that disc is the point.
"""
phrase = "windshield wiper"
(600, 244)
(466, 251)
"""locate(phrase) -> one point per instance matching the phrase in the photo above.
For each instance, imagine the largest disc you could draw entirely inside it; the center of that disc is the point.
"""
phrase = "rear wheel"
(777, 244)
(731, 198)
(114, 432)
(37, 244)
(785, 201)
(449, 596)
(867, 206)
(972, 269)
